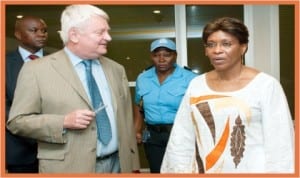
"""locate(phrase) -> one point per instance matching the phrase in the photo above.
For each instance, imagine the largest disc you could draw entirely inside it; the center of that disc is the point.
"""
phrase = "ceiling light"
(156, 12)
(19, 16)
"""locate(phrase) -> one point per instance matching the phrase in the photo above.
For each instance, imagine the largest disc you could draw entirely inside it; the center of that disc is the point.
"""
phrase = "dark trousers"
(28, 168)
(155, 148)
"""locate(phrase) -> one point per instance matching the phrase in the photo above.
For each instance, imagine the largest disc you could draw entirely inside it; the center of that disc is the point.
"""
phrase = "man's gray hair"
(75, 16)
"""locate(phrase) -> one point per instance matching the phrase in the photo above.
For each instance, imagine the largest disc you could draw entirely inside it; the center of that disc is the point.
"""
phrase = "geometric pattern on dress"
(237, 141)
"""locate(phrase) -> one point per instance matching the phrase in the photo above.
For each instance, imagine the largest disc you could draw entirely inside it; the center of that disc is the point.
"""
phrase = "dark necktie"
(32, 56)
(102, 120)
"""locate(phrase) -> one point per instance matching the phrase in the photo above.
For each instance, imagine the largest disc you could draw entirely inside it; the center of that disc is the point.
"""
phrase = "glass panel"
(287, 53)
(197, 16)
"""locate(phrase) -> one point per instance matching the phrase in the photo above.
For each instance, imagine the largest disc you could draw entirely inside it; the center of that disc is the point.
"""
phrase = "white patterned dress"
(246, 131)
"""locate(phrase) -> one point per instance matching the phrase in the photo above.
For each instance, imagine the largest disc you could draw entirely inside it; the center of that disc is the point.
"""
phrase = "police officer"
(159, 91)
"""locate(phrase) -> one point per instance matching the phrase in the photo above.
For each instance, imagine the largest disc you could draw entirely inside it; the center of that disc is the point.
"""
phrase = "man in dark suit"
(31, 33)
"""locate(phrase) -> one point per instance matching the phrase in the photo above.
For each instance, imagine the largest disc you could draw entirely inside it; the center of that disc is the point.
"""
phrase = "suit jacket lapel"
(18, 61)
(64, 67)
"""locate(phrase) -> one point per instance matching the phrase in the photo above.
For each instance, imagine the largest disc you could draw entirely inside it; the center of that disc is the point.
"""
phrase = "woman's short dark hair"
(229, 25)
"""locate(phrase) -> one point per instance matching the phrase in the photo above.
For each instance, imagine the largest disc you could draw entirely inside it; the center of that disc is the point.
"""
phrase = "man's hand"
(79, 119)
(138, 137)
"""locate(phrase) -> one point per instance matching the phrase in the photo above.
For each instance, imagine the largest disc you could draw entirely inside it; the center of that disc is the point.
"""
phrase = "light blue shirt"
(24, 54)
(161, 101)
(104, 88)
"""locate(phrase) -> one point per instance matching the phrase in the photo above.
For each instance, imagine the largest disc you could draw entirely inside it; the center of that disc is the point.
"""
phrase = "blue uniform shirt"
(161, 101)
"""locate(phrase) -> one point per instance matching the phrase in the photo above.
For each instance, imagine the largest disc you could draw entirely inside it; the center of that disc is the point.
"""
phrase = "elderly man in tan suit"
(53, 104)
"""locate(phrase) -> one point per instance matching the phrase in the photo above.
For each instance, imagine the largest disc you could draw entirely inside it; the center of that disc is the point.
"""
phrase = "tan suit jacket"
(46, 91)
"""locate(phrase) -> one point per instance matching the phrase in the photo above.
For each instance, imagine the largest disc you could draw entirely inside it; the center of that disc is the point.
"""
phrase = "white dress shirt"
(104, 89)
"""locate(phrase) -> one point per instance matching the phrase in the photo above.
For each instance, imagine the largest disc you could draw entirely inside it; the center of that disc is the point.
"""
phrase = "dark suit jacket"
(19, 150)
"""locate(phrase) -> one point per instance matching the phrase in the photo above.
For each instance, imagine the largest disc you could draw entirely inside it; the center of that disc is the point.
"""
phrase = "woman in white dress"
(233, 119)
